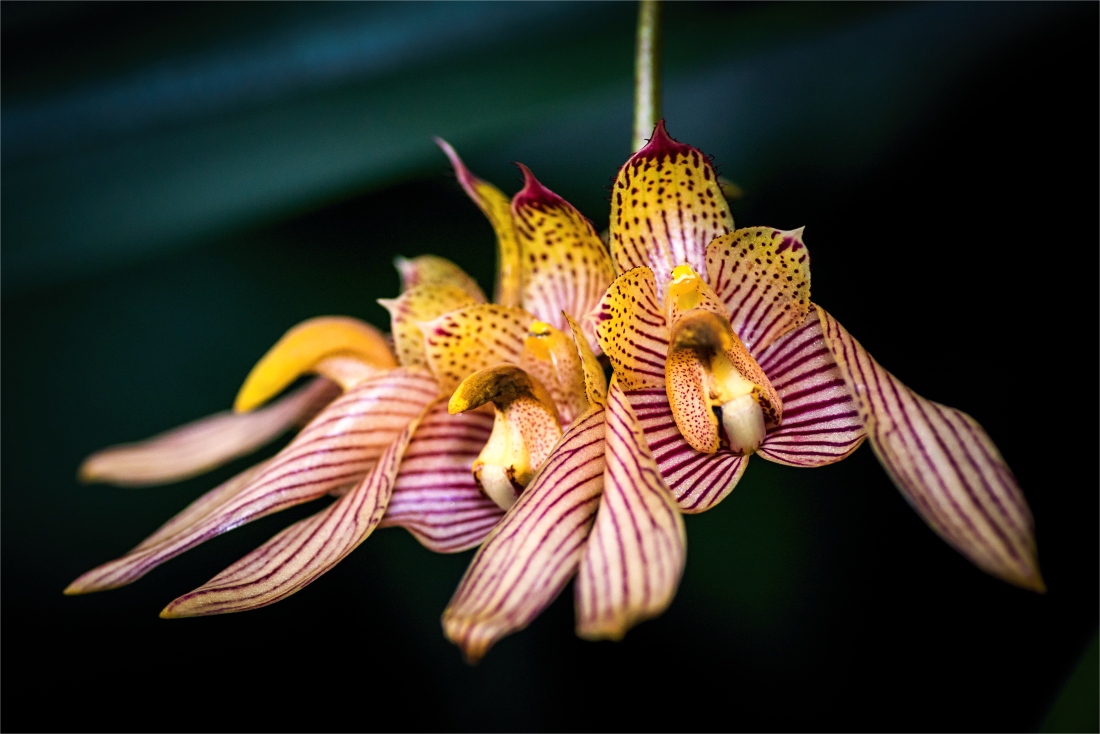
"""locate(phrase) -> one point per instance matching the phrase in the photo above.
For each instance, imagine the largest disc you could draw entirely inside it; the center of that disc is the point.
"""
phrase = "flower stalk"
(647, 72)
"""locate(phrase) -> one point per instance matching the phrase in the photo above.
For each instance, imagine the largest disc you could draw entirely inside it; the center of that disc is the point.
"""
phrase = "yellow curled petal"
(462, 342)
(565, 267)
(666, 206)
(551, 357)
(762, 277)
(303, 347)
(435, 270)
(497, 209)
(525, 428)
(631, 329)
(414, 306)
(595, 382)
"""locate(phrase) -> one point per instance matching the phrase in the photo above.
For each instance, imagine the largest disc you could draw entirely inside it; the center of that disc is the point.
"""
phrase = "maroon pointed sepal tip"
(662, 144)
(534, 194)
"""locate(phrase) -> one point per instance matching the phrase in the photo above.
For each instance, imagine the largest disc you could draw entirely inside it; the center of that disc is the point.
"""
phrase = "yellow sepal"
(302, 348)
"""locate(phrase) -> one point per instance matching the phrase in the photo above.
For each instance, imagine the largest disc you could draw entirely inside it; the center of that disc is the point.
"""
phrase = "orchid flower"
(388, 447)
(718, 354)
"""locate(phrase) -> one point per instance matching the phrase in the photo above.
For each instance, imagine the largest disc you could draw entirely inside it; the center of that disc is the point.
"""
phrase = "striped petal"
(415, 306)
(698, 481)
(435, 270)
(820, 422)
(497, 209)
(565, 267)
(943, 463)
(631, 330)
(198, 447)
(762, 276)
(435, 496)
(339, 446)
(299, 555)
(636, 552)
(534, 551)
(302, 347)
(666, 206)
(462, 342)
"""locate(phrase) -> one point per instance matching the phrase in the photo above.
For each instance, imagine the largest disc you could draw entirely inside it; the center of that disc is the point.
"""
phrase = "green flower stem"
(647, 72)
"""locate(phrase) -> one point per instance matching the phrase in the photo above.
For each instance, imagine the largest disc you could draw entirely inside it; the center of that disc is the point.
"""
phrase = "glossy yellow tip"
(301, 348)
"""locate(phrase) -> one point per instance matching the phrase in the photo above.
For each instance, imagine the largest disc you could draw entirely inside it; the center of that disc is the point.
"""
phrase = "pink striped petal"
(762, 276)
(435, 497)
(636, 552)
(565, 266)
(534, 551)
(698, 481)
(299, 555)
(821, 424)
(339, 446)
(205, 444)
(666, 206)
(944, 464)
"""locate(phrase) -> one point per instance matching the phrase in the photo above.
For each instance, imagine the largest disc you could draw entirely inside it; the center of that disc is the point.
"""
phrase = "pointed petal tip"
(661, 144)
(403, 265)
(73, 589)
(533, 192)
(463, 174)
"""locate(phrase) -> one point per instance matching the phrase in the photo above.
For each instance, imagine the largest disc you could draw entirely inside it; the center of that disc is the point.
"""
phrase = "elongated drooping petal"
(820, 422)
(339, 446)
(944, 463)
(534, 551)
(462, 342)
(595, 382)
(299, 555)
(636, 552)
(205, 444)
(435, 496)
(435, 270)
(631, 330)
(497, 209)
(762, 276)
(566, 268)
(301, 348)
(698, 481)
(415, 306)
(666, 206)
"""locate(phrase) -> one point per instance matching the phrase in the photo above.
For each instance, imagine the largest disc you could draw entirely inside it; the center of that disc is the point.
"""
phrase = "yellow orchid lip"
(525, 428)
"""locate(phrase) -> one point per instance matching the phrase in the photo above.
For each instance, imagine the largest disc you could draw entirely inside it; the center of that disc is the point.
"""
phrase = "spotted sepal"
(565, 267)
(762, 276)
(666, 206)
(415, 306)
(462, 342)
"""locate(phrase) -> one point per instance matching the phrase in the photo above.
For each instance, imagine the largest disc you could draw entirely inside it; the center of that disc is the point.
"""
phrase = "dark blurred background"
(182, 183)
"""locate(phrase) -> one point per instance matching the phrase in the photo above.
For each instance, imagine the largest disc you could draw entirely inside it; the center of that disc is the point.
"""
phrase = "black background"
(963, 256)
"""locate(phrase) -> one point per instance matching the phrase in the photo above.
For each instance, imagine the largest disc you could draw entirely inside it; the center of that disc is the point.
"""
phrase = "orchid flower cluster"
(494, 425)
